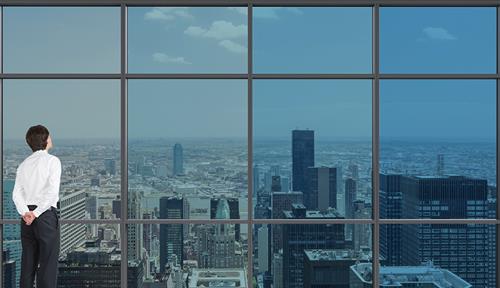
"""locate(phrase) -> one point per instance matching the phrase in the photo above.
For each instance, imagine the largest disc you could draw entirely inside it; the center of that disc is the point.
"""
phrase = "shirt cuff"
(24, 209)
(36, 212)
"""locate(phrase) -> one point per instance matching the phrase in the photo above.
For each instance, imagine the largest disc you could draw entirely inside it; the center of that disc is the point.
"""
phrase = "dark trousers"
(41, 244)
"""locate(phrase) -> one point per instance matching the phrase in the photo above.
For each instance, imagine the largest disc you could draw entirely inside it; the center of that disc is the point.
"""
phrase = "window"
(246, 144)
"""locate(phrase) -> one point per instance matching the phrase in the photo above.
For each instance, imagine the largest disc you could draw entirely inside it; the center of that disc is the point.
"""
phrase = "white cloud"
(167, 13)
(438, 33)
(233, 46)
(219, 30)
(164, 58)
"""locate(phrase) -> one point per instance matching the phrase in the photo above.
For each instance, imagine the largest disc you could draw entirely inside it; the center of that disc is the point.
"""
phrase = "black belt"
(33, 207)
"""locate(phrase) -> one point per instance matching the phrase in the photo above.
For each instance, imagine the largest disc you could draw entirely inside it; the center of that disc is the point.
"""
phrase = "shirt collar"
(41, 151)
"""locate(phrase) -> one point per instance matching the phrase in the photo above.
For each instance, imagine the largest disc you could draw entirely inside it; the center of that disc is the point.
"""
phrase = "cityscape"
(206, 179)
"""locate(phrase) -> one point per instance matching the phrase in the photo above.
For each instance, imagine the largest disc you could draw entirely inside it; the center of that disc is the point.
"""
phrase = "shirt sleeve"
(51, 193)
(18, 195)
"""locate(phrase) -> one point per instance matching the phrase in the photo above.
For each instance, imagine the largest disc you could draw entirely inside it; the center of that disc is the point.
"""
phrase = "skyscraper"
(297, 238)
(171, 235)
(178, 168)
(302, 157)
(436, 197)
(350, 196)
(320, 192)
(110, 166)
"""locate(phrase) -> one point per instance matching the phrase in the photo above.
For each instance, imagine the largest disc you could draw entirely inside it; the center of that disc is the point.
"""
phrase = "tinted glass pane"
(312, 255)
(312, 39)
(438, 149)
(438, 40)
(188, 138)
(83, 119)
(312, 145)
(61, 39)
(434, 254)
(187, 40)
(213, 255)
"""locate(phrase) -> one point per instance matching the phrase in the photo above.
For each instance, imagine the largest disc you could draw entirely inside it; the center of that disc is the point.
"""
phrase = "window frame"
(375, 76)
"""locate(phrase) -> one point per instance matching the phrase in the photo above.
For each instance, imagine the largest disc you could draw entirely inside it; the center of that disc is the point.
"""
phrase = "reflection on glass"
(312, 39)
(452, 255)
(61, 39)
(187, 139)
(89, 255)
(187, 39)
(438, 40)
(308, 255)
(83, 118)
(438, 149)
(312, 145)
(207, 255)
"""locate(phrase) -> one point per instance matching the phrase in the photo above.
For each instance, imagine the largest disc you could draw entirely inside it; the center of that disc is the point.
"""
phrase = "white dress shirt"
(37, 182)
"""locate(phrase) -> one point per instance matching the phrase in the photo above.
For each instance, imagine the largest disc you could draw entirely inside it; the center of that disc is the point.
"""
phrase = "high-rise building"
(9, 270)
(280, 202)
(297, 238)
(178, 167)
(134, 231)
(350, 196)
(276, 183)
(435, 197)
(234, 211)
(302, 157)
(171, 235)
(320, 192)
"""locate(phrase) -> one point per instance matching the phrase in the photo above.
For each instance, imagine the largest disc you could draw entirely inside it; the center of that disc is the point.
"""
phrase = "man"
(35, 194)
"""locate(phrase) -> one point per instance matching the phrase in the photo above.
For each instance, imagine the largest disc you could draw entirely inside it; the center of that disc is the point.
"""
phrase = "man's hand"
(29, 217)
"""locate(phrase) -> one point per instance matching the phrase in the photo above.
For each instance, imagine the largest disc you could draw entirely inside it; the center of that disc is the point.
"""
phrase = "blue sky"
(286, 40)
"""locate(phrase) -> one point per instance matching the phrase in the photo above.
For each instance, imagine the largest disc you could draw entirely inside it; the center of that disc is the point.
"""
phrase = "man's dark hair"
(36, 137)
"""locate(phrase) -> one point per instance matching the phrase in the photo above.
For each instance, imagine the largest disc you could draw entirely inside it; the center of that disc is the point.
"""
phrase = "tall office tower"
(110, 166)
(302, 157)
(361, 237)
(268, 181)
(320, 192)
(223, 249)
(256, 180)
(147, 233)
(178, 168)
(277, 270)
(72, 206)
(116, 207)
(134, 231)
(171, 235)
(14, 249)
(353, 171)
(234, 211)
(9, 270)
(280, 202)
(350, 196)
(275, 170)
(264, 248)
(440, 165)
(455, 197)
(91, 206)
(297, 238)
(391, 200)
(276, 184)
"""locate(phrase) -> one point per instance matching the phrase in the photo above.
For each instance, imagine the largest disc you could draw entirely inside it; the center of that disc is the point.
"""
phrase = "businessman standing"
(35, 194)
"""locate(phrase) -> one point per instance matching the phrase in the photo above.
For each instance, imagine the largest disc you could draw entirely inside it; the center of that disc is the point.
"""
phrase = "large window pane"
(188, 138)
(454, 255)
(89, 255)
(312, 39)
(308, 255)
(438, 149)
(204, 255)
(312, 145)
(83, 118)
(438, 40)
(61, 39)
(187, 40)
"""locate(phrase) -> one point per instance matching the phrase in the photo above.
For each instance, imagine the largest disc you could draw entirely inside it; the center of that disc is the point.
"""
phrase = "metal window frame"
(375, 77)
